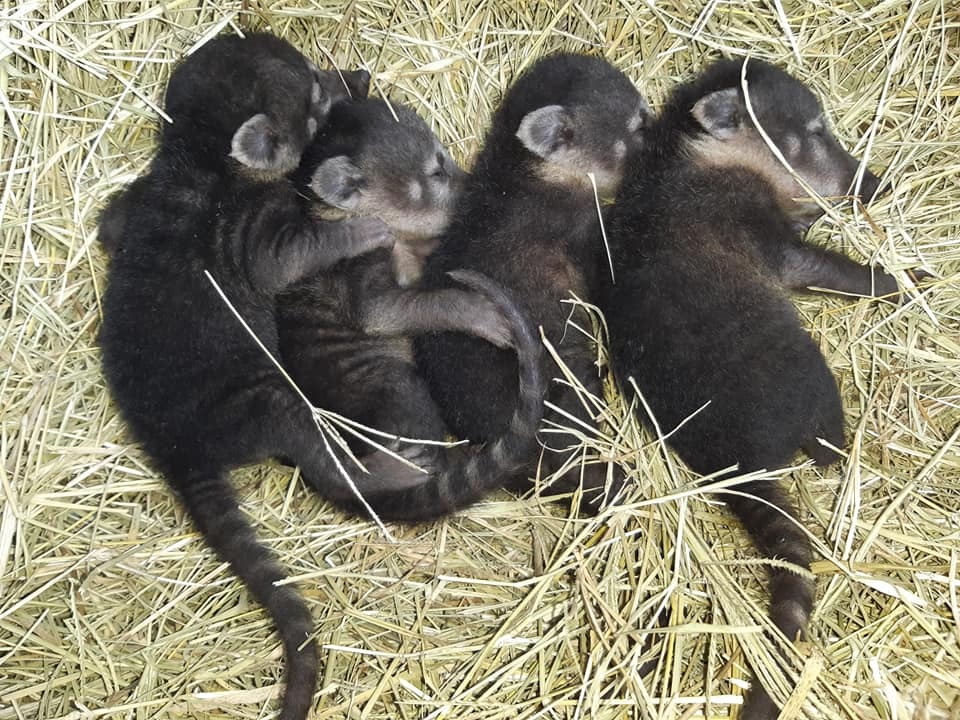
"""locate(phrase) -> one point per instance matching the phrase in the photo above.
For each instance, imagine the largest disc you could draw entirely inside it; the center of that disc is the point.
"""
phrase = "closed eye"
(817, 128)
(440, 171)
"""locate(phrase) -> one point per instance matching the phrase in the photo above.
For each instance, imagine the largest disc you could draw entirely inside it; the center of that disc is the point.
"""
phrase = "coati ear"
(546, 130)
(720, 113)
(338, 182)
(359, 83)
(261, 145)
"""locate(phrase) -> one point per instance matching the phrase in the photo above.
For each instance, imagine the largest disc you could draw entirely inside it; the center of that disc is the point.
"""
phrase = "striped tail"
(210, 500)
(466, 475)
(776, 535)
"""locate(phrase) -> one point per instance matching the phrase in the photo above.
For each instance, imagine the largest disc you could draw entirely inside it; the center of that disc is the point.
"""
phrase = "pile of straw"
(112, 607)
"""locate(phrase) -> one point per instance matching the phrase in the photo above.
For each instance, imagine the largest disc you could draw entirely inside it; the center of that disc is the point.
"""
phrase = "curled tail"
(465, 475)
(766, 511)
(210, 500)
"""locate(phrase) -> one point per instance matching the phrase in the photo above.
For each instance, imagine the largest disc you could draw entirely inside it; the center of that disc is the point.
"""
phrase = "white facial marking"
(816, 125)
(619, 149)
(311, 126)
(633, 124)
(415, 190)
(315, 93)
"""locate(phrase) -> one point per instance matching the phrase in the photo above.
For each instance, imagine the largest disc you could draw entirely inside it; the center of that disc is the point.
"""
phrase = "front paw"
(886, 287)
(407, 265)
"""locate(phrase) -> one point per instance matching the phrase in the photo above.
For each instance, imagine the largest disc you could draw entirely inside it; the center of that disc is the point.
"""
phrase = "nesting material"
(112, 607)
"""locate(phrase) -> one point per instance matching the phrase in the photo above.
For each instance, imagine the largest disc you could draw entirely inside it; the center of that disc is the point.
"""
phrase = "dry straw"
(110, 605)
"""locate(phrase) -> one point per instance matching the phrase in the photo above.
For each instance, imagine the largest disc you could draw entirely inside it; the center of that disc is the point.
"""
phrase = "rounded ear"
(359, 83)
(261, 145)
(546, 130)
(720, 113)
(338, 182)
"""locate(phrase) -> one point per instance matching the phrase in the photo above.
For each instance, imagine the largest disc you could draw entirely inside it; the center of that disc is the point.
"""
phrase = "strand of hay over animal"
(112, 606)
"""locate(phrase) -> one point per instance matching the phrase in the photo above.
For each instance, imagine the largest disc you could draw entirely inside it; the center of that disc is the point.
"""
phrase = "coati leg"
(805, 266)
(287, 247)
(406, 409)
(410, 312)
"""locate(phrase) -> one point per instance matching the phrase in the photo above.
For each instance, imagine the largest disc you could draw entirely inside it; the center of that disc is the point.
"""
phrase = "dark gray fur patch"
(528, 219)
(344, 333)
(705, 243)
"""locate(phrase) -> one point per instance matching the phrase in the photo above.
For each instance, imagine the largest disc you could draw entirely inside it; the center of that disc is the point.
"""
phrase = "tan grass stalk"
(111, 606)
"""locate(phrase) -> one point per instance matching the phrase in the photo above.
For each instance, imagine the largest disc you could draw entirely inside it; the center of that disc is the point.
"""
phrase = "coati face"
(576, 140)
(594, 120)
(274, 141)
(792, 117)
(393, 168)
(257, 96)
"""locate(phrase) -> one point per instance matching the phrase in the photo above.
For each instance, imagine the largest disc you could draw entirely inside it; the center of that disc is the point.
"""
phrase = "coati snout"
(791, 117)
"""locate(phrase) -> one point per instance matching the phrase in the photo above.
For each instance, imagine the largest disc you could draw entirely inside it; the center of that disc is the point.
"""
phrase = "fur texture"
(706, 234)
(528, 219)
(344, 333)
(193, 387)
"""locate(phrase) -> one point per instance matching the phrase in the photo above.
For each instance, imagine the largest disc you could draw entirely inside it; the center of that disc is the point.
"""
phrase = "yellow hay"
(112, 607)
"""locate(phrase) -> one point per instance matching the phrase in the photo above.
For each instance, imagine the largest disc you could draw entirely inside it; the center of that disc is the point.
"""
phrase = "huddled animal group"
(407, 295)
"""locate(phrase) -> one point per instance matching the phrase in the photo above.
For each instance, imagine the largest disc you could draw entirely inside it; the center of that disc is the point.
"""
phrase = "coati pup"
(528, 219)
(194, 388)
(707, 240)
(344, 332)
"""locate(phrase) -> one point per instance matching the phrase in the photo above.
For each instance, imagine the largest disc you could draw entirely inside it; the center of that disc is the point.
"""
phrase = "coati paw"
(407, 265)
(601, 485)
(397, 473)
(917, 276)
(885, 286)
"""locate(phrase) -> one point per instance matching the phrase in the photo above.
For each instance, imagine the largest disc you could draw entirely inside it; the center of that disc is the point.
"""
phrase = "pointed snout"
(870, 187)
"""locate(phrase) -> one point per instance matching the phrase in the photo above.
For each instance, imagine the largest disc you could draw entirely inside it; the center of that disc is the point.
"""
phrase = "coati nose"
(870, 187)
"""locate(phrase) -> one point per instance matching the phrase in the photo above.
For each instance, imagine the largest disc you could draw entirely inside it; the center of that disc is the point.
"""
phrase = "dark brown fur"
(707, 239)
(528, 219)
(195, 390)
(344, 333)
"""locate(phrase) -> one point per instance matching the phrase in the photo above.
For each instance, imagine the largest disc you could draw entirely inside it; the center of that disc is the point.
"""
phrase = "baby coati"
(528, 218)
(344, 332)
(707, 239)
(194, 388)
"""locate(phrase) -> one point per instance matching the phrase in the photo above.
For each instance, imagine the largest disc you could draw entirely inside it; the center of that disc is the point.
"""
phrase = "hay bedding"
(110, 605)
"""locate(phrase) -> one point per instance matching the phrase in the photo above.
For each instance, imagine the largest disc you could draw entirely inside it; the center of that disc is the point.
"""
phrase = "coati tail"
(766, 511)
(464, 478)
(210, 500)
